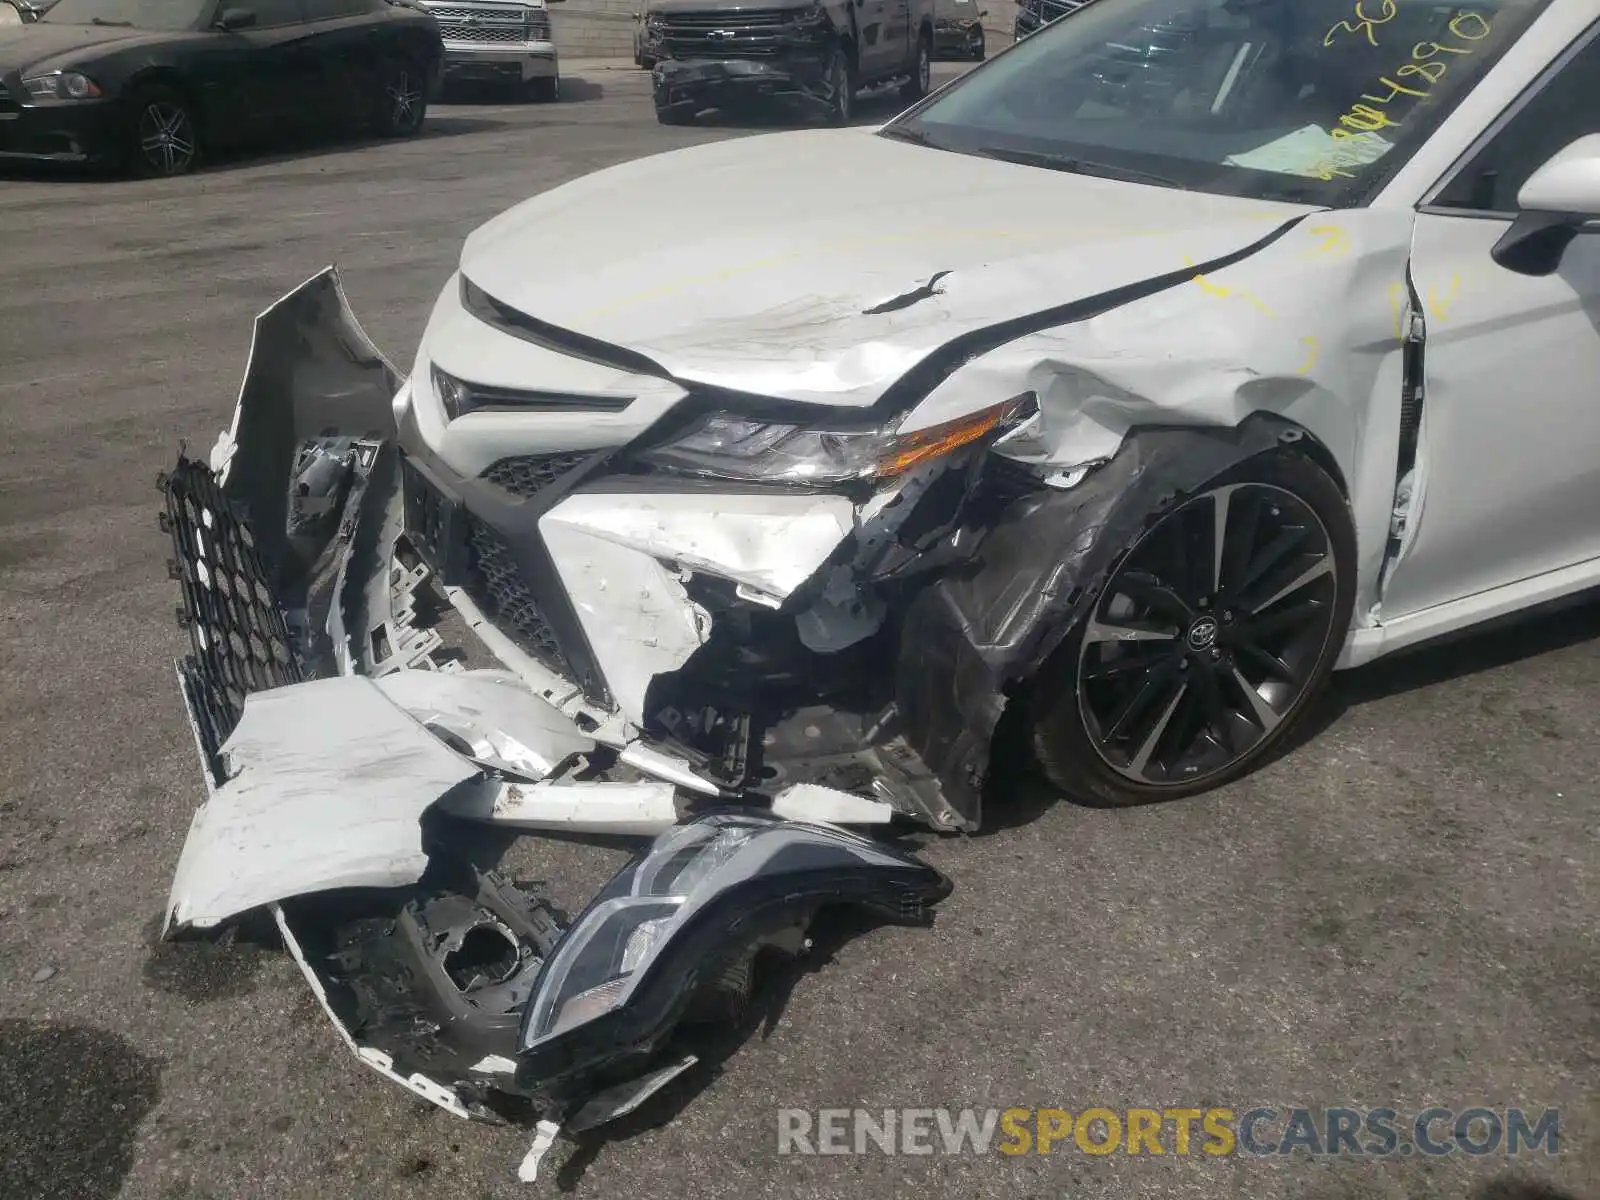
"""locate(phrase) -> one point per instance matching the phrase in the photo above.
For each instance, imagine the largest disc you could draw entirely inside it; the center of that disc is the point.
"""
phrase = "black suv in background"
(814, 53)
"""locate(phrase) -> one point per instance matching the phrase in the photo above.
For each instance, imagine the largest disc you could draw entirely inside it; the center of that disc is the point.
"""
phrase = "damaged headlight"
(704, 894)
(726, 446)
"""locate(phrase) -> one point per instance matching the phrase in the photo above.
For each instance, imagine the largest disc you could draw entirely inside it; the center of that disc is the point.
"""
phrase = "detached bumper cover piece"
(328, 783)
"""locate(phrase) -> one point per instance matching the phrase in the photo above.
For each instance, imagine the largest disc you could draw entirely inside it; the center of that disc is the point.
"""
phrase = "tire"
(163, 136)
(546, 90)
(921, 80)
(841, 83)
(402, 100)
(647, 62)
(1215, 681)
(977, 50)
(676, 114)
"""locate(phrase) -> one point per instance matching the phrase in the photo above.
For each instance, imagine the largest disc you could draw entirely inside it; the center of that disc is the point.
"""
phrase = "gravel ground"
(1400, 913)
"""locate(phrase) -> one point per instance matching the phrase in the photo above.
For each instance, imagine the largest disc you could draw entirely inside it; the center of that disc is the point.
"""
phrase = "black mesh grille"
(527, 474)
(497, 588)
(238, 636)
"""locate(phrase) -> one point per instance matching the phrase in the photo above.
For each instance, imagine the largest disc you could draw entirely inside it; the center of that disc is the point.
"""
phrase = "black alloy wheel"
(166, 137)
(921, 81)
(402, 102)
(1208, 639)
(840, 88)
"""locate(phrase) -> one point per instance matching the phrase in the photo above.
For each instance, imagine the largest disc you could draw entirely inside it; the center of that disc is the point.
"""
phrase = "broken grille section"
(526, 474)
(239, 640)
(496, 586)
(743, 33)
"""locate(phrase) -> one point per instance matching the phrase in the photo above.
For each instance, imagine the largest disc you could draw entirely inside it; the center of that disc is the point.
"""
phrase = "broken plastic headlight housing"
(727, 446)
(703, 895)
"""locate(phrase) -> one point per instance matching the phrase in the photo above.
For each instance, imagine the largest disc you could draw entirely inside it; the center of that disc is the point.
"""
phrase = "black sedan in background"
(150, 85)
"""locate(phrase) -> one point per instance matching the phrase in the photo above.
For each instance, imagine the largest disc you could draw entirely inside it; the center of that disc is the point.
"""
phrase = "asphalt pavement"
(1400, 913)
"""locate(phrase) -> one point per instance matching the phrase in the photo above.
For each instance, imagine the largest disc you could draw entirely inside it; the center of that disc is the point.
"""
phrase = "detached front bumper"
(725, 83)
(333, 731)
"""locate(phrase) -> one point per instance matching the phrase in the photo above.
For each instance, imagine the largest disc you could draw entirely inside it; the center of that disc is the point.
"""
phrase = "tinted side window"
(270, 13)
(332, 10)
(1565, 109)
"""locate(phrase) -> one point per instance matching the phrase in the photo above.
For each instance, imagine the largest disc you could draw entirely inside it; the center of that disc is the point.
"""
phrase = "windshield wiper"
(916, 137)
(1077, 166)
(113, 24)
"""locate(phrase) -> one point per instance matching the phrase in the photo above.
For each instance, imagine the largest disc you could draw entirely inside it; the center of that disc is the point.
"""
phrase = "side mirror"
(1555, 203)
(236, 18)
(983, 12)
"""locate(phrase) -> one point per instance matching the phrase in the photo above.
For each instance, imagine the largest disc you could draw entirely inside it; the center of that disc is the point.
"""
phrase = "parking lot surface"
(1399, 913)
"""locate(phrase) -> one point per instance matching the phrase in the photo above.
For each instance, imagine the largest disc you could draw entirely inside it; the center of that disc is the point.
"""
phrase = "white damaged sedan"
(767, 475)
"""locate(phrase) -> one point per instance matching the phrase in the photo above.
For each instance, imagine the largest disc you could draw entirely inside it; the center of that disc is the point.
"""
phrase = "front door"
(877, 53)
(1510, 450)
(282, 82)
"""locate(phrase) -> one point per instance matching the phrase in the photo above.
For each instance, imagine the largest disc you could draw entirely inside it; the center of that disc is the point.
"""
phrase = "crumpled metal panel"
(972, 636)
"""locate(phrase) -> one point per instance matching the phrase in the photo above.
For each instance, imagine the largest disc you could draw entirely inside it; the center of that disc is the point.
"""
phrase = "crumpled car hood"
(753, 263)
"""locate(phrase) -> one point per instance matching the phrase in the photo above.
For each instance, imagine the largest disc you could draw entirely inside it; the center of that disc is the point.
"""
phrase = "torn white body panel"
(632, 809)
(329, 781)
(769, 542)
(813, 802)
(493, 713)
(632, 608)
(1320, 347)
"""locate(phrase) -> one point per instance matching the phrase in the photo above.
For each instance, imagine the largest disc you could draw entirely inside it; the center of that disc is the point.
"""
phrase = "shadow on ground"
(439, 125)
(71, 1101)
(573, 91)
(714, 1045)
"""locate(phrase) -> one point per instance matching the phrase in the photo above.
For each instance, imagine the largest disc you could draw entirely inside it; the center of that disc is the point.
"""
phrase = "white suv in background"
(499, 41)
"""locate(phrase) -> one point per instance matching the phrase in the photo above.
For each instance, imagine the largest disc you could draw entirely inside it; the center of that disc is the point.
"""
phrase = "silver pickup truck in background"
(499, 41)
